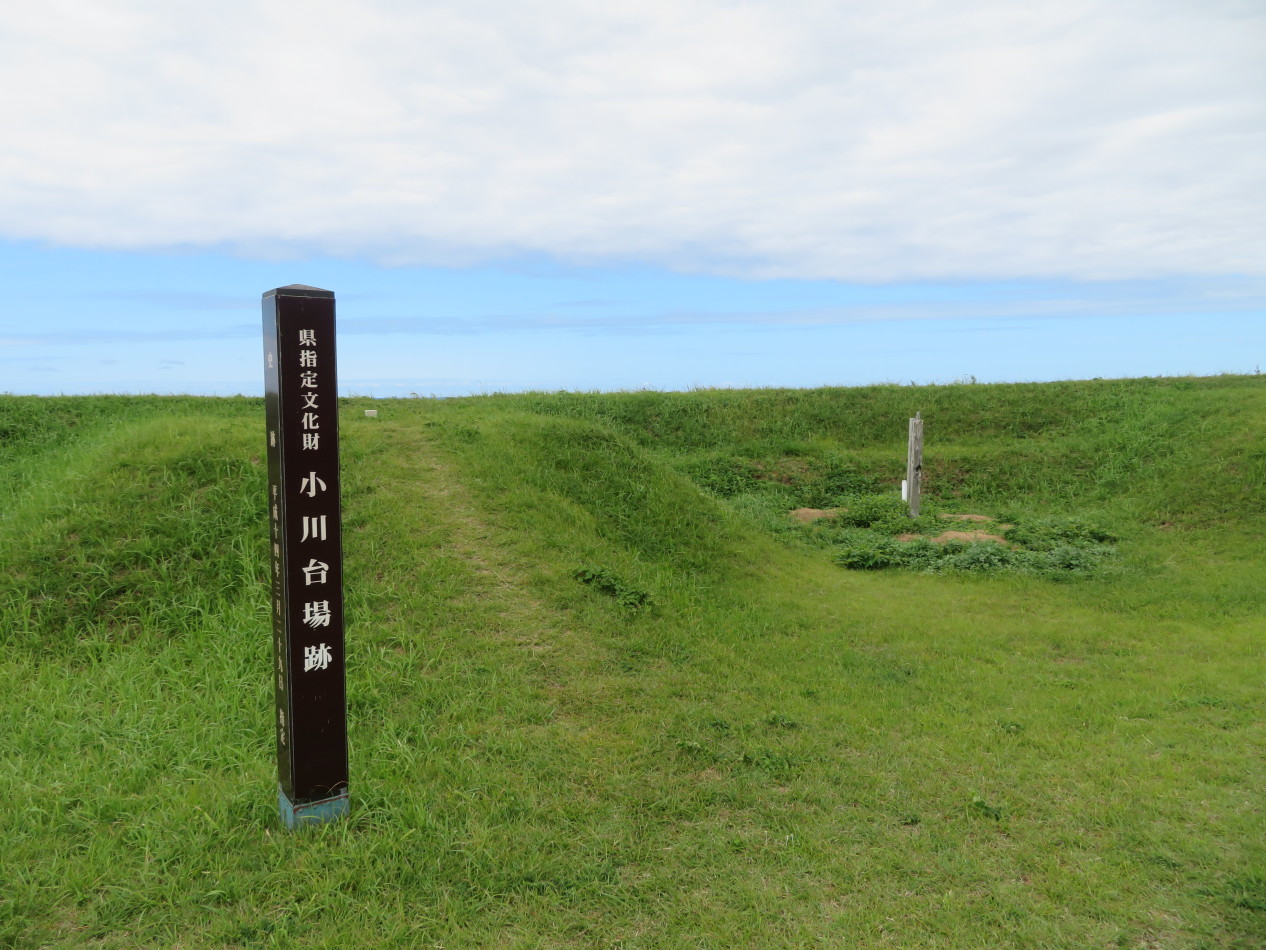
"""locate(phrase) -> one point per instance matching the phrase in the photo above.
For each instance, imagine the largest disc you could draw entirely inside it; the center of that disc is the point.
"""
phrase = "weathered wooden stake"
(301, 404)
(914, 463)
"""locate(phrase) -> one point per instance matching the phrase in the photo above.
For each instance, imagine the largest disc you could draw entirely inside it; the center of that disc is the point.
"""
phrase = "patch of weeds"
(466, 434)
(834, 485)
(791, 470)
(777, 764)
(884, 513)
(608, 582)
(841, 479)
(870, 555)
(1052, 534)
(976, 556)
(725, 749)
(697, 751)
(725, 476)
(921, 554)
(779, 721)
(865, 539)
(983, 809)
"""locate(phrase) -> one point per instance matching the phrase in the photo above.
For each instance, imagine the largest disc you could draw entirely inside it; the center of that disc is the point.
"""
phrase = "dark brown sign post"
(301, 393)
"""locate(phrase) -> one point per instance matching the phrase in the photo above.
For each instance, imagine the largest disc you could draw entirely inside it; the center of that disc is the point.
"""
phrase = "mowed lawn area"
(606, 691)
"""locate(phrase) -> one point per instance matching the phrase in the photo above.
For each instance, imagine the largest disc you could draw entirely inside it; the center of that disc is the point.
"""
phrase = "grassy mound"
(151, 531)
(604, 691)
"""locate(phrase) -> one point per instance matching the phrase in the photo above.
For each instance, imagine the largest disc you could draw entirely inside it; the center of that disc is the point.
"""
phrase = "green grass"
(605, 693)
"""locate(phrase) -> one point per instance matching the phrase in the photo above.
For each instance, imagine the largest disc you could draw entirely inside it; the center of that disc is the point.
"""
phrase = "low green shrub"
(877, 555)
(1048, 534)
(841, 480)
(871, 550)
(833, 485)
(608, 582)
(977, 556)
(867, 511)
(725, 476)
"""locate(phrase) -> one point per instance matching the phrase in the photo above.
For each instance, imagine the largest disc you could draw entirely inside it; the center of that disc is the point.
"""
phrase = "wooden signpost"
(914, 463)
(305, 538)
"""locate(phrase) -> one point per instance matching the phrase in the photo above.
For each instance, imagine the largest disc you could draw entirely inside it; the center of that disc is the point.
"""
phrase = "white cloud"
(861, 141)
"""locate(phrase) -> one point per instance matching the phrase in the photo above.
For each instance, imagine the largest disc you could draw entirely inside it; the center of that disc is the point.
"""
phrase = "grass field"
(605, 692)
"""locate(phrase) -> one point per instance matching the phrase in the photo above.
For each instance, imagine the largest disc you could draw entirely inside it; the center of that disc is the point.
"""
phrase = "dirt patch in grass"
(978, 519)
(809, 515)
(945, 536)
(968, 536)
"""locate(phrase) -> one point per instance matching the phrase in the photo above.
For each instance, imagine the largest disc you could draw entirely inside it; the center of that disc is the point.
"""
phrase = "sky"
(564, 195)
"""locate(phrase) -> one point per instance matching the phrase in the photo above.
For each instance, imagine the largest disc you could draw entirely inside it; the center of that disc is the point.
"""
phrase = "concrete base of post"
(312, 813)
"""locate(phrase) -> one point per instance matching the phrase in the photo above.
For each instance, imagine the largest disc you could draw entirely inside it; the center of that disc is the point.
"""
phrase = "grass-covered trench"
(605, 692)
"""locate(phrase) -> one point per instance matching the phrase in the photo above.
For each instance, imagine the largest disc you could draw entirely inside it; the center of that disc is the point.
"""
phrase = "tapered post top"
(299, 290)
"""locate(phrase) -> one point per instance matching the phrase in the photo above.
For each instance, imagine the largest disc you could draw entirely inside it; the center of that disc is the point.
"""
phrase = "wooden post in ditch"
(914, 463)
(305, 546)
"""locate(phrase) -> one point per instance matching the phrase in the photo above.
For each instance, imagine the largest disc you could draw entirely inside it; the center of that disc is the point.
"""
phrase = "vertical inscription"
(307, 564)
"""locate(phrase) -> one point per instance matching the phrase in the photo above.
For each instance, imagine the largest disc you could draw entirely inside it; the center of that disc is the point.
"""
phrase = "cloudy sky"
(569, 195)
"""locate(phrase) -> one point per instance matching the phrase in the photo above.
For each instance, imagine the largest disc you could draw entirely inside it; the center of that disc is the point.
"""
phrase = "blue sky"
(558, 196)
(97, 321)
